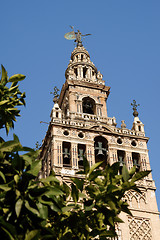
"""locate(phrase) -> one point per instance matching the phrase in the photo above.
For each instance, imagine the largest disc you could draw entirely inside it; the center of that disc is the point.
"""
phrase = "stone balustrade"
(84, 119)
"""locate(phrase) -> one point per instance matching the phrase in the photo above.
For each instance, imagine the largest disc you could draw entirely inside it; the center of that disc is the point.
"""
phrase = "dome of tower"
(79, 50)
(80, 66)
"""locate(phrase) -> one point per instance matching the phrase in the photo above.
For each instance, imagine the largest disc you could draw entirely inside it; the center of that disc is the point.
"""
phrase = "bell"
(100, 152)
(100, 149)
(80, 155)
(135, 163)
(121, 163)
(66, 153)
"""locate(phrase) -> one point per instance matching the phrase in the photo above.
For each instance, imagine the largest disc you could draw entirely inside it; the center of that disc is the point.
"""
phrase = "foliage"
(10, 98)
(33, 208)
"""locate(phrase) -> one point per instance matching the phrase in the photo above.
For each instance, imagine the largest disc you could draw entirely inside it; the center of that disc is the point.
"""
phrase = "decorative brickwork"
(135, 199)
(139, 228)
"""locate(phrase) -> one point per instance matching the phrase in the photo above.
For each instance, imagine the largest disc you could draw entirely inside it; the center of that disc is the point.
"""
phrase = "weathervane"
(55, 94)
(135, 113)
(76, 35)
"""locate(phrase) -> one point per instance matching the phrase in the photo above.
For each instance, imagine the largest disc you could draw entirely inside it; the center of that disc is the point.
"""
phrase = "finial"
(75, 35)
(123, 125)
(135, 113)
(55, 94)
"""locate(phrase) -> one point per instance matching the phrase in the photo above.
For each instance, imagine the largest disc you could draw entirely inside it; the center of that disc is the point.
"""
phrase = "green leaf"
(5, 187)
(117, 219)
(16, 78)
(3, 177)
(132, 171)
(3, 102)
(9, 146)
(43, 210)
(53, 192)
(74, 193)
(110, 220)
(139, 176)
(8, 233)
(93, 167)
(18, 206)
(68, 208)
(32, 210)
(16, 178)
(112, 205)
(86, 165)
(4, 77)
(89, 207)
(125, 173)
(82, 195)
(32, 235)
(13, 89)
(94, 175)
(79, 183)
(16, 139)
(35, 168)
(49, 179)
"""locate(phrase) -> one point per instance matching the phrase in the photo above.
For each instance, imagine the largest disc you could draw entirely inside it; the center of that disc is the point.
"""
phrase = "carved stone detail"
(135, 199)
(139, 228)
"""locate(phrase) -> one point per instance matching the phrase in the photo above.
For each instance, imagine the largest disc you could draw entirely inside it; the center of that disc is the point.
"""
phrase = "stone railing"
(127, 131)
(84, 119)
(91, 117)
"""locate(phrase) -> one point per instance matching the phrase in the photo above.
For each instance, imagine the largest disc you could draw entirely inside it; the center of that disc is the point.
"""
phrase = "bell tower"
(80, 127)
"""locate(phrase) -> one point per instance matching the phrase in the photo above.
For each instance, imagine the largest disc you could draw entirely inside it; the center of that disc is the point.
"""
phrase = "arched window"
(88, 105)
(136, 160)
(101, 149)
(66, 154)
(121, 159)
(81, 154)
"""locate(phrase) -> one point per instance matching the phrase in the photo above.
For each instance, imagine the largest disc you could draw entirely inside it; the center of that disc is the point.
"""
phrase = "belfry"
(80, 127)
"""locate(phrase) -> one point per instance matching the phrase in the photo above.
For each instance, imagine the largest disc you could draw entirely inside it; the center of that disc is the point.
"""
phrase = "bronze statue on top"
(75, 35)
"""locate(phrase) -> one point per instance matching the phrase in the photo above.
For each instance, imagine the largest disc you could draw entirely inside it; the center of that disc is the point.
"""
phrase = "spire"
(81, 68)
(138, 126)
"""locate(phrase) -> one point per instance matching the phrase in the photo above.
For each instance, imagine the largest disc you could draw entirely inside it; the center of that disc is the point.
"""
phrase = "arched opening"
(88, 105)
(101, 149)
(81, 57)
(66, 154)
(136, 160)
(81, 154)
(121, 159)
(76, 72)
(84, 72)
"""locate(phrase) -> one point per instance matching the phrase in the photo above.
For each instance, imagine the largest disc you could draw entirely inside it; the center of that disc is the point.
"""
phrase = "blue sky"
(124, 46)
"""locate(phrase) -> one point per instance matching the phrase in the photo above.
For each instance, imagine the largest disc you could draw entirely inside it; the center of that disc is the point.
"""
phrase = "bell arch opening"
(81, 154)
(88, 105)
(121, 159)
(66, 146)
(101, 150)
(136, 160)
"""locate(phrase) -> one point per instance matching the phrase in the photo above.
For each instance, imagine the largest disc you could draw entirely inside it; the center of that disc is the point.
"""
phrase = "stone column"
(58, 158)
(90, 154)
(74, 155)
(128, 160)
(112, 155)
